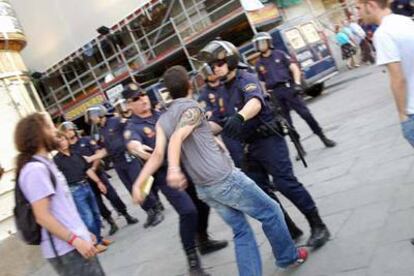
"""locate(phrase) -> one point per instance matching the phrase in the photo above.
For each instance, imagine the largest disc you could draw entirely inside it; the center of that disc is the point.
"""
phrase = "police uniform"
(217, 100)
(271, 152)
(143, 130)
(126, 166)
(85, 146)
(274, 71)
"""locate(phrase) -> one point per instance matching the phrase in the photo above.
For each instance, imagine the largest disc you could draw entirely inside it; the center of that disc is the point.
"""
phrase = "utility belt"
(267, 129)
(286, 84)
(78, 183)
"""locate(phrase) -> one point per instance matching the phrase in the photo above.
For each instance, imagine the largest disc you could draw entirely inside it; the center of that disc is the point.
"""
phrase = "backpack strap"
(53, 179)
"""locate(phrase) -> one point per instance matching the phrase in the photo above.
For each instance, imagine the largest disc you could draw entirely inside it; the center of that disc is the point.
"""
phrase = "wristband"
(72, 239)
(174, 169)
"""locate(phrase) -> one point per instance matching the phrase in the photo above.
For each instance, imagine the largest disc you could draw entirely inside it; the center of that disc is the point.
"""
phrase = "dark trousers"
(203, 210)
(183, 205)
(289, 100)
(73, 263)
(128, 172)
(273, 155)
(111, 195)
(85, 202)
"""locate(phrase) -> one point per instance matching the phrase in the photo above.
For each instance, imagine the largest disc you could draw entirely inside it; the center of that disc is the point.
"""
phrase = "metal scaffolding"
(133, 45)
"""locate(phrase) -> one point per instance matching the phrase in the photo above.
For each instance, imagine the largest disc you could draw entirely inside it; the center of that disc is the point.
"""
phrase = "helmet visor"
(92, 114)
(121, 106)
(262, 45)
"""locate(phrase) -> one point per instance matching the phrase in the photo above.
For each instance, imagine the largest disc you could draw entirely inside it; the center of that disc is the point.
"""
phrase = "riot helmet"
(121, 107)
(205, 71)
(219, 51)
(263, 40)
(98, 111)
(67, 125)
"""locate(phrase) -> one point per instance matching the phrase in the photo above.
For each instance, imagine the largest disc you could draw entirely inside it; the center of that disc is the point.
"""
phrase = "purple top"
(36, 184)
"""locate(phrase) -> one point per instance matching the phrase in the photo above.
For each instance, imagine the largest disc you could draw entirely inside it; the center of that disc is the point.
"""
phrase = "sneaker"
(106, 242)
(100, 248)
(302, 255)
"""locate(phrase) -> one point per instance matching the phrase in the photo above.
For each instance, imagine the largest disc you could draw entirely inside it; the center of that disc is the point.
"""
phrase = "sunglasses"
(218, 63)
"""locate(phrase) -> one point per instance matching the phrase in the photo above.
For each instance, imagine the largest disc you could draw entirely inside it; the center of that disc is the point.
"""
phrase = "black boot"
(294, 231)
(153, 218)
(129, 219)
(194, 264)
(319, 232)
(207, 245)
(327, 142)
(159, 206)
(114, 228)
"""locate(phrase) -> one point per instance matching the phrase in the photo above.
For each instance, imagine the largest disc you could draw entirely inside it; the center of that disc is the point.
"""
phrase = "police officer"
(249, 119)
(283, 78)
(211, 98)
(140, 139)
(86, 146)
(111, 132)
(122, 111)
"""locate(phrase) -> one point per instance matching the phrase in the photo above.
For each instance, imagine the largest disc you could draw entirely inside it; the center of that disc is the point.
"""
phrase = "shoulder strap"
(53, 179)
(51, 174)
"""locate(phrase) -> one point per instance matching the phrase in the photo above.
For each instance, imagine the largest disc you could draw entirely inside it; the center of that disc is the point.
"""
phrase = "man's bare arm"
(398, 87)
(251, 109)
(297, 74)
(101, 153)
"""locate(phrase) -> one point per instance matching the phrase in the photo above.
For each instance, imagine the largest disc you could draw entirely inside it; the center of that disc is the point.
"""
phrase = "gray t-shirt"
(204, 161)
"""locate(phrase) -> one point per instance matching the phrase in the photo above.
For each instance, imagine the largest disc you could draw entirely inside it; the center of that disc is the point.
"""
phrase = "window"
(310, 33)
(295, 39)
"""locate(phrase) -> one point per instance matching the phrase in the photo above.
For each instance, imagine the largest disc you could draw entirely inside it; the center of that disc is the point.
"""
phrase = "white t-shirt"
(394, 42)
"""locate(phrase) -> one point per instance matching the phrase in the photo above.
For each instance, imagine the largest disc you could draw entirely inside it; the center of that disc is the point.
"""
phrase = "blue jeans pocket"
(408, 129)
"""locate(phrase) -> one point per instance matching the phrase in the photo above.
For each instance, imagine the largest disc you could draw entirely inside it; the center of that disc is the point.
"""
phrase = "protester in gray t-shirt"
(217, 181)
(51, 201)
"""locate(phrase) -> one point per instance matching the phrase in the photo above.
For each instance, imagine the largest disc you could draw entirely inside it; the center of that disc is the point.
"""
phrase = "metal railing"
(140, 50)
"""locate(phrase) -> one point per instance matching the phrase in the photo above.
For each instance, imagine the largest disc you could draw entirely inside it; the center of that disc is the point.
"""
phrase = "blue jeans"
(408, 129)
(239, 195)
(88, 208)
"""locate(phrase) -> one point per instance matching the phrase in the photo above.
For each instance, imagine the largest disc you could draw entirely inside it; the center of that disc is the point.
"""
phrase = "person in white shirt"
(394, 42)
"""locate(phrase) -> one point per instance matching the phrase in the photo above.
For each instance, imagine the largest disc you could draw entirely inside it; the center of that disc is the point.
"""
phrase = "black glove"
(233, 126)
(298, 89)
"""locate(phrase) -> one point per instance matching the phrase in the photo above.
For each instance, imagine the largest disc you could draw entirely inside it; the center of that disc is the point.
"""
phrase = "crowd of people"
(225, 149)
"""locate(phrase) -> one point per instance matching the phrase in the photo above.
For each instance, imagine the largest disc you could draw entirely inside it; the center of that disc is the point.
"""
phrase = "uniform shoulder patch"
(250, 87)
(127, 134)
